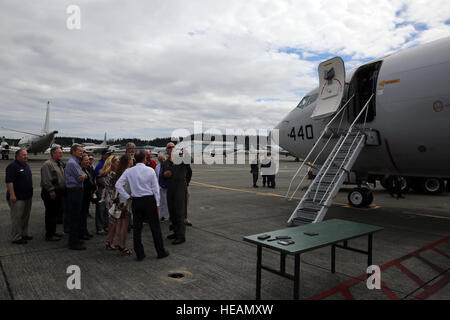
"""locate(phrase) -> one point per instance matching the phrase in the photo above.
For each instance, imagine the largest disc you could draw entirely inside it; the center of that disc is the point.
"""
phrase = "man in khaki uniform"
(53, 187)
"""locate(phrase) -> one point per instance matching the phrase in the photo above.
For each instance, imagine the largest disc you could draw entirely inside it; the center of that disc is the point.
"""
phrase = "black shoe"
(163, 219)
(165, 254)
(255, 186)
(27, 238)
(78, 246)
(140, 258)
(188, 223)
(20, 241)
(86, 237)
(171, 236)
(178, 241)
(102, 233)
(52, 238)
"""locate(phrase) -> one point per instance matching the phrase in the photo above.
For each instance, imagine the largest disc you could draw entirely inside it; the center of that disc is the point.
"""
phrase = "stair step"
(338, 163)
(332, 171)
(328, 179)
(312, 210)
(318, 196)
(307, 202)
(299, 221)
(322, 184)
(322, 189)
(306, 214)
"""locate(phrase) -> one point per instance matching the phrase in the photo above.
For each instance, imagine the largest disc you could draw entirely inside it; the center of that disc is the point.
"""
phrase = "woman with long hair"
(125, 162)
(109, 194)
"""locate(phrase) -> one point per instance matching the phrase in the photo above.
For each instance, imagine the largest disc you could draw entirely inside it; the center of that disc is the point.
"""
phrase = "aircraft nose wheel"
(360, 197)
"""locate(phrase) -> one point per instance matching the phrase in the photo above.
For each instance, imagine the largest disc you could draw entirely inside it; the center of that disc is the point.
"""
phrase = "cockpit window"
(313, 98)
(303, 102)
(306, 101)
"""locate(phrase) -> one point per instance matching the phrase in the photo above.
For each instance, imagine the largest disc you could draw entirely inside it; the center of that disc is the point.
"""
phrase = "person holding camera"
(175, 176)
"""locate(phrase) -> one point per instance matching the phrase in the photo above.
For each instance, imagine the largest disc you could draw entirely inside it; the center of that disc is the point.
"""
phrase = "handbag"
(115, 211)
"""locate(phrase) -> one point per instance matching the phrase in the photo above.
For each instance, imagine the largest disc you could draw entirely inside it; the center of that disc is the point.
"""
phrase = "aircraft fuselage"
(411, 115)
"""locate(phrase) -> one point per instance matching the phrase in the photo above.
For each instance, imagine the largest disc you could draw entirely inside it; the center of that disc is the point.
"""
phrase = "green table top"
(329, 232)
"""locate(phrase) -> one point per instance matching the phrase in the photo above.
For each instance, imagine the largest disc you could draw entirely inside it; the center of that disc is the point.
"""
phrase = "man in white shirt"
(144, 188)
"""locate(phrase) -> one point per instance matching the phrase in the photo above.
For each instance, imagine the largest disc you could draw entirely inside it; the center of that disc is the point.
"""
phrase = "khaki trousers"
(20, 215)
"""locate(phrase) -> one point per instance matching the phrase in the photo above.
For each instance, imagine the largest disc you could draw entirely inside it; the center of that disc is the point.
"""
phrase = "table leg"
(333, 258)
(283, 262)
(297, 277)
(258, 272)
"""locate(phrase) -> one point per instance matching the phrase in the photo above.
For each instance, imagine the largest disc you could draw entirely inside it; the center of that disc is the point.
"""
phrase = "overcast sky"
(143, 68)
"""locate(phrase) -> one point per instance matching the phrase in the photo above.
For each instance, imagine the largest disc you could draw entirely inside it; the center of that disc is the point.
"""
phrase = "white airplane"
(95, 148)
(265, 149)
(197, 147)
(5, 148)
(35, 142)
(116, 148)
(389, 116)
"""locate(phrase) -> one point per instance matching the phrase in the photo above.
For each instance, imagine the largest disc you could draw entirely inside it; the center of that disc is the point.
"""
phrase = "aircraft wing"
(33, 134)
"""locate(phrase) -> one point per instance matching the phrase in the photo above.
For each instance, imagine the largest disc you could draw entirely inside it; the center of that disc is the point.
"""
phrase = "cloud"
(143, 68)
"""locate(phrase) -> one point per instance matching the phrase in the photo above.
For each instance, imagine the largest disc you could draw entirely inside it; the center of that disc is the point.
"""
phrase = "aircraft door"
(362, 86)
(331, 87)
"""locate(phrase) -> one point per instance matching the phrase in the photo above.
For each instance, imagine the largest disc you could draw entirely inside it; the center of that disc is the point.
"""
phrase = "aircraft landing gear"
(360, 197)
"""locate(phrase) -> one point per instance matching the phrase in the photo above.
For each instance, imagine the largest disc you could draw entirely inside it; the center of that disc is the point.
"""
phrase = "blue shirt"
(99, 167)
(162, 183)
(73, 172)
(20, 176)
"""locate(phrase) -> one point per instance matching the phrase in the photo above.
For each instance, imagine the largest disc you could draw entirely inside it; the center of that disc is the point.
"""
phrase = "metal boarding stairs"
(320, 194)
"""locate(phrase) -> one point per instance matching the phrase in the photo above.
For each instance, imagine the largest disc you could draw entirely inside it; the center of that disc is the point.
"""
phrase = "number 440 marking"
(306, 133)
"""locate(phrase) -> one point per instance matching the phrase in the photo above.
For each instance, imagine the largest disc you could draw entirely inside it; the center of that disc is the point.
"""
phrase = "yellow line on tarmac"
(346, 205)
(427, 215)
(239, 190)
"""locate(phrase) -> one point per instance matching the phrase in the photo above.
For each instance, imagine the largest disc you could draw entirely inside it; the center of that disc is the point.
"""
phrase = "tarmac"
(413, 250)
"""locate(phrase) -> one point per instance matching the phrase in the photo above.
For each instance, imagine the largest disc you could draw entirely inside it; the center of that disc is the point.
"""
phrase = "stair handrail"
(315, 159)
(339, 148)
(313, 148)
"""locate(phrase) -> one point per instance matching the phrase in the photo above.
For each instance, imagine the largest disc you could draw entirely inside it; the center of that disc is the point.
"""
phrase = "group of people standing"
(268, 170)
(128, 191)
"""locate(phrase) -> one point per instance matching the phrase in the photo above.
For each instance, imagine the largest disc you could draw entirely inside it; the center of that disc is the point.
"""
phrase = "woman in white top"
(109, 194)
(124, 205)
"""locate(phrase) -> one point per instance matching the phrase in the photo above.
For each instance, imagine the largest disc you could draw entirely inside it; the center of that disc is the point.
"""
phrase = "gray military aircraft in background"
(38, 142)
(389, 116)
(96, 148)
